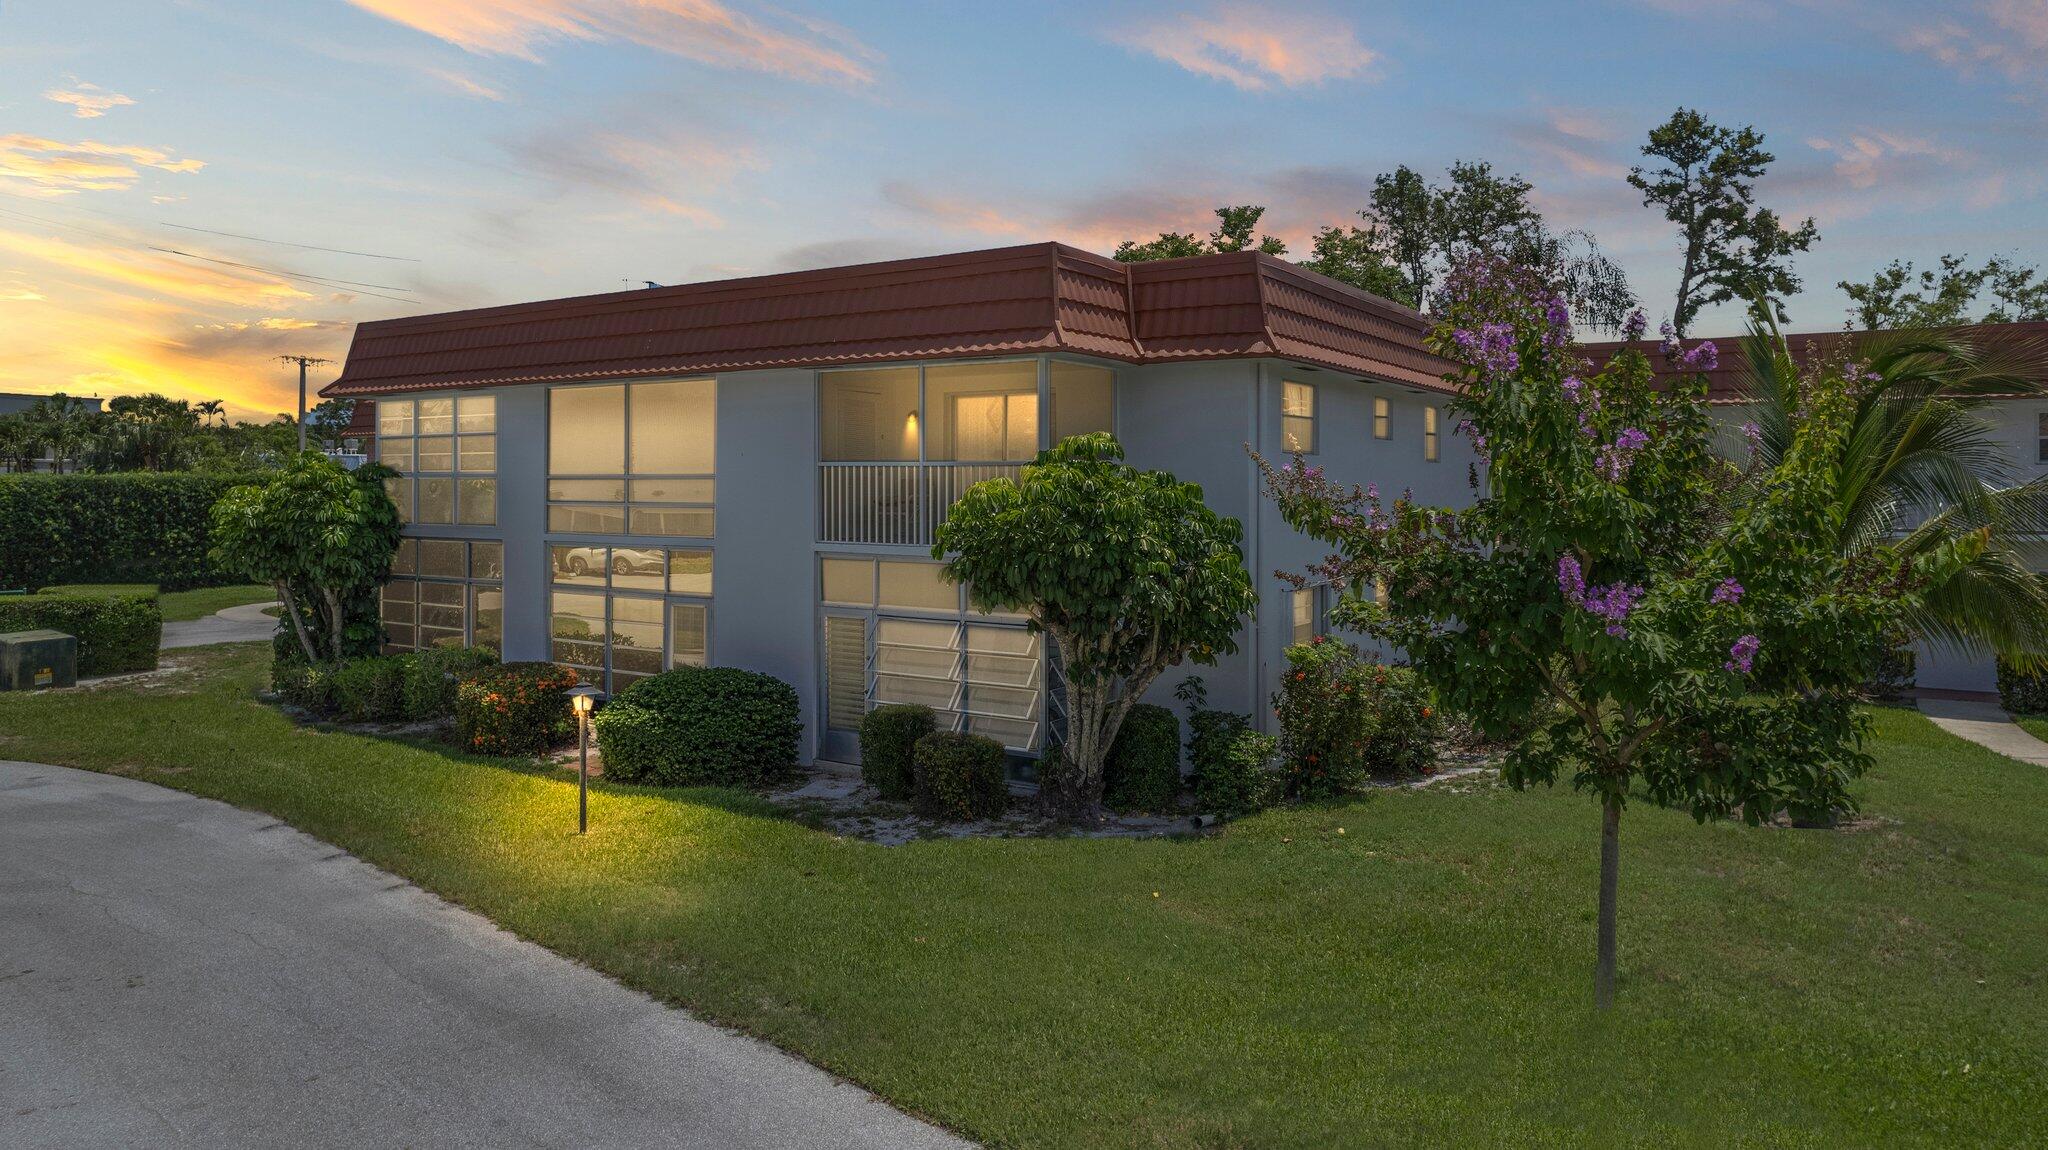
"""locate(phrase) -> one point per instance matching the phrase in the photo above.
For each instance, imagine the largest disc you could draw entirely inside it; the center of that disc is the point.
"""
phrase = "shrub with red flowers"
(515, 709)
(1344, 717)
(1689, 632)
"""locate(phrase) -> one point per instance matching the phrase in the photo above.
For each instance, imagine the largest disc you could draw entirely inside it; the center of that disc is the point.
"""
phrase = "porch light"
(582, 700)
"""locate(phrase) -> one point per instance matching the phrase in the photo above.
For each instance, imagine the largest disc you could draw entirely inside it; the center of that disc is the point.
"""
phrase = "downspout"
(1255, 550)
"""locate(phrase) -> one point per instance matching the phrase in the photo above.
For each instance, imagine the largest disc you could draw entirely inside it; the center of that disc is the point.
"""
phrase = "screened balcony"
(900, 445)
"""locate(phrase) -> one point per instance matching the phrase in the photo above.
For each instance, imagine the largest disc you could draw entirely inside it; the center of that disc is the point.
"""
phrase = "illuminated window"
(1429, 436)
(1307, 619)
(1382, 418)
(446, 451)
(618, 614)
(633, 459)
(1298, 418)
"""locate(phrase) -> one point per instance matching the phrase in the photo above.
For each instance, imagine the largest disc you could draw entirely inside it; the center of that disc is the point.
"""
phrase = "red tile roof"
(1724, 383)
(1038, 297)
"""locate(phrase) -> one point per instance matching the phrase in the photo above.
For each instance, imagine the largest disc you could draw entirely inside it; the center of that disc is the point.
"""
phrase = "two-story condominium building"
(748, 472)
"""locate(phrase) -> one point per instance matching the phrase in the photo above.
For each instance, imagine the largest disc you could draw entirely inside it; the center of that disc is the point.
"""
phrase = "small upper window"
(1298, 418)
(1429, 436)
(1382, 418)
(1303, 602)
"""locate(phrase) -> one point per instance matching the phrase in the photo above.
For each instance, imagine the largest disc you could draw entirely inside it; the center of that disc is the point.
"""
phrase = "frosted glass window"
(1302, 604)
(567, 519)
(1382, 418)
(849, 581)
(394, 417)
(487, 560)
(672, 490)
(693, 522)
(686, 647)
(675, 426)
(587, 430)
(444, 558)
(396, 454)
(436, 417)
(917, 586)
(869, 416)
(476, 414)
(588, 490)
(437, 500)
(1430, 448)
(1083, 399)
(478, 501)
(1298, 418)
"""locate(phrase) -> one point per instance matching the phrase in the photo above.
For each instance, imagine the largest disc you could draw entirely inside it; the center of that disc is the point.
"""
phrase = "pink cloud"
(88, 101)
(1255, 48)
(701, 30)
(2009, 37)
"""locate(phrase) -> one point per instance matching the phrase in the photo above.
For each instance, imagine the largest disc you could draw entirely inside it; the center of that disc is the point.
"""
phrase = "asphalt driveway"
(176, 972)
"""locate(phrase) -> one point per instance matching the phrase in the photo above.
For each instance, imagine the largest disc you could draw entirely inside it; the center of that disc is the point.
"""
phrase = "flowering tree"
(1615, 604)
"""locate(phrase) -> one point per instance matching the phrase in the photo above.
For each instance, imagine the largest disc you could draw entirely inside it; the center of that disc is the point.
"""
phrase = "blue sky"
(520, 149)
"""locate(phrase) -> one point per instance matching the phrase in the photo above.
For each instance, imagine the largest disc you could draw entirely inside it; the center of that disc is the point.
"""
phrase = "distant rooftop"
(15, 401)
(1724, 383)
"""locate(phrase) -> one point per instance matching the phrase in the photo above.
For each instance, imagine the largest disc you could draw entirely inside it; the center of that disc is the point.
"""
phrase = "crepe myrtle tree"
(323, 536)
(1618, 605)
(1127, 572)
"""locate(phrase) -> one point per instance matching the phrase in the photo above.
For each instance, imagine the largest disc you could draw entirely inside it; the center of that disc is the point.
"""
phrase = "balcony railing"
(894, 503)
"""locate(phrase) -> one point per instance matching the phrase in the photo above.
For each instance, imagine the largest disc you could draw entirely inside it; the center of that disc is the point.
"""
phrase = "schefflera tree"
(323, 536)
(1126, 572)
(1622, 606)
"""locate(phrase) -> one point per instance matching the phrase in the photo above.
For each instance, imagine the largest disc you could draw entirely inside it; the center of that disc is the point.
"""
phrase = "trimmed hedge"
(515, 709)
(429, 692)
(1241, 772)
(372, 690)
(116, 633)
(308, 688)
(888, 746)
(959, 777)
(2018, 692)
(125, 528)
(700, 726)
(1142, 770)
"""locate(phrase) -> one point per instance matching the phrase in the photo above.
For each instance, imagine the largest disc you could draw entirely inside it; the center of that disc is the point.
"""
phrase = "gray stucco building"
(748, 472)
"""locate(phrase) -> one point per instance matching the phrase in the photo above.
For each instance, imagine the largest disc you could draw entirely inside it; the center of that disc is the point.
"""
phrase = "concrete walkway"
(244, 624)
(1987, 725)
(177, 972)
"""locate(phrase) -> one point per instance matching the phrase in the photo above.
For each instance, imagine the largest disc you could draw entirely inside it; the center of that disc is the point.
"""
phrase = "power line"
(288, 243)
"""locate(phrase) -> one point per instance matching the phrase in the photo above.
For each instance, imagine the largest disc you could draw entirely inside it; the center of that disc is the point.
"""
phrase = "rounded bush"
(429, 690)
(308, 688)
(958, 777)
(1406, 724)
(1142, 770)
(2020, 692)
(700, 726)
(515, 709)
(372, 690)
(888, 746)
(1241, 774)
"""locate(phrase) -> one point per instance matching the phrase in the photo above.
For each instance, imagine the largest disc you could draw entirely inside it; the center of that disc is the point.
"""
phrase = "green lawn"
(2035, 725)
(1422, 978)
(179, 606)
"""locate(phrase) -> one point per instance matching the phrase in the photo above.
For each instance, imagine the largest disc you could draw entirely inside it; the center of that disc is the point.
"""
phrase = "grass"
(1422, 977)
(179, 606)
(2035, 725)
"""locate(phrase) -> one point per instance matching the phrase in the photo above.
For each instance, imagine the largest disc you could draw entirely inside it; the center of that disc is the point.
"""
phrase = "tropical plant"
(1706, 659)
(323, 536)
(1127, 572)
(1922, 469)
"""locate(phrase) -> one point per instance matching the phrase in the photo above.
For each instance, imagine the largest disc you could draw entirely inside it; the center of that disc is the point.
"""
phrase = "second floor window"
(633, 459)
(1307, 621)
(446, 453)
(1429, 436)
(1298, 418)
(1382, 418)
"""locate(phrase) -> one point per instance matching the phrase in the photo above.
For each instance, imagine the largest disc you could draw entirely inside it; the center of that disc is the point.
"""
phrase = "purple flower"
(1559, 319)
(1614, 459)
(1468, 429)
(1491, 348)
(1704, 356)
(1742, 654)
(1754, 434)
(1571, 579)
(1613, 603)
(1668, 344)
(1728, 592)
(1635, 325)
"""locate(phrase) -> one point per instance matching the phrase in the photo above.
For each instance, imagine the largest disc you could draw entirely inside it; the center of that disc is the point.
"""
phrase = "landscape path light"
(583, 700)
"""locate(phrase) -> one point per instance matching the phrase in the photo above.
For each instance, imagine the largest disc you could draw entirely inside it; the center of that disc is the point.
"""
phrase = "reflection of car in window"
(579, 561)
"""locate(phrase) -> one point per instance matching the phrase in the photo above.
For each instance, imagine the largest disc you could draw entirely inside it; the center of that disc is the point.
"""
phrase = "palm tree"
(1922, 466)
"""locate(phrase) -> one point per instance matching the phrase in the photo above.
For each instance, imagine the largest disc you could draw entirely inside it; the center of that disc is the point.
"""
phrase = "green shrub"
(2021, 693)
(888, 743)
(128, 528)
(515, 709)
(308, 688)
(1895, 672)
(1325, 713)
(1242, 774)
(958, 777)
(698, 726)
(116, 634)
(1142, 771)
(372, 689)
(430, 686)
(1406, 723)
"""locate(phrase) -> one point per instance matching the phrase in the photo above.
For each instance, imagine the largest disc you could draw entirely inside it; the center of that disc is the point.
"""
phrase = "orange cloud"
(45, 167)
(467, 85)
(1255, 48)
(701, 30)
(152, 272)
(88, 101)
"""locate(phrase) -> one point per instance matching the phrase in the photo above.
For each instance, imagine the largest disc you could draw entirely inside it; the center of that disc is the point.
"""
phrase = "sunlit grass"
(1421, 978)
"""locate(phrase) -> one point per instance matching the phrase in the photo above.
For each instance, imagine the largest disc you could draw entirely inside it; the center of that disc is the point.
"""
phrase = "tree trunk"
(334, 623)
(1610, 881)
(291, 611)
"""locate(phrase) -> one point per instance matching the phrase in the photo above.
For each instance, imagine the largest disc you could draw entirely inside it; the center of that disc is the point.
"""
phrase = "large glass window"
(958, 413)
(897, 632)
(981, 412)
(634, 459)
(617, 614)
(1298, 418)
(444, 593)
(446, 450)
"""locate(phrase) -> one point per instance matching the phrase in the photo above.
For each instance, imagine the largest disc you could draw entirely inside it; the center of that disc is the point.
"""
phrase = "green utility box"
(32, 660)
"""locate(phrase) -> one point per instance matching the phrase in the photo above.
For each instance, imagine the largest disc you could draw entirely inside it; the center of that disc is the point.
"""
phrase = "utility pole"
(304, 362)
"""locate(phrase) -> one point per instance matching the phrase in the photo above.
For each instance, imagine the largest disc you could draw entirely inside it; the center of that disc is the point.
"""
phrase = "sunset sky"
(189, 188)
